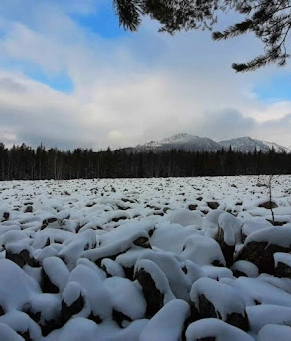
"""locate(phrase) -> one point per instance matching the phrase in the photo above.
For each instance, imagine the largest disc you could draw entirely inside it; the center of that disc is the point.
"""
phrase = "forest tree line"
(25, 163)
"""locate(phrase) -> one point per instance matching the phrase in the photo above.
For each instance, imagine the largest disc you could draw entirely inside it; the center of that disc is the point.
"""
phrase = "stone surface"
(153, 297)
(261, 254)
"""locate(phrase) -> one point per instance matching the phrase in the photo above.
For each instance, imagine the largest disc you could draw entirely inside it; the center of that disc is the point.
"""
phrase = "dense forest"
(25, 163)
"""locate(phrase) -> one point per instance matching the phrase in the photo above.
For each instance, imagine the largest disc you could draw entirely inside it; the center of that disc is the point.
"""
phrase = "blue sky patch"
(104, 23)
(277, 88)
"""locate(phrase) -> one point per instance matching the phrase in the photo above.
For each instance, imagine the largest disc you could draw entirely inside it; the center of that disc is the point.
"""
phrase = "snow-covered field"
(145, 259)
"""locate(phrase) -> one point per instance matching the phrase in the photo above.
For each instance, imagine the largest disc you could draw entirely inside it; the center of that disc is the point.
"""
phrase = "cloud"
(126, 90)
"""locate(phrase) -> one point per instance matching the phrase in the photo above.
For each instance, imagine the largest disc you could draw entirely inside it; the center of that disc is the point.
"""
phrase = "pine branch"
(129, 13)
(234, 31)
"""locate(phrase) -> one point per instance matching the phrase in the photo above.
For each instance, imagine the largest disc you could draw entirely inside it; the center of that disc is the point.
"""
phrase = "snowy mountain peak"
(190, 142)
(247, 144)
(179, 138)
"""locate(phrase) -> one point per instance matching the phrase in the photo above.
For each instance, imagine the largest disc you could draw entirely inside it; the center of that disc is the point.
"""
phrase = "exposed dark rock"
(73, 309)
(47, 285)
(238, 320)
(261, 254)
(192, 207)
(6, 215)
(153, 297)
(276, 222)
(282, 270)
(129, 272)
(28, 209)
(2, 312)
(217, 263)
(227, 250)
(207, 309)
(95, 318)
(48, 221)
(268, 205)
(238, 274)
(22, 258)
(46, 326)
(117, 219)
(142, 242)
(213, 204)
(26, 335)
(119, 317)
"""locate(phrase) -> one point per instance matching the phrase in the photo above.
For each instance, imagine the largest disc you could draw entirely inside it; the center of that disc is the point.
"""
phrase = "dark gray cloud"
(226, 124)
(8, 84)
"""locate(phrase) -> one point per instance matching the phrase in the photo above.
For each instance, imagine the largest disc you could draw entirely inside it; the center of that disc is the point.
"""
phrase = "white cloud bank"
(129, 90)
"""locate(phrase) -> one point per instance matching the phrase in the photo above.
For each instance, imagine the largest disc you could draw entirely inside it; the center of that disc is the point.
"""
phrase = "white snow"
(122, 291)
(16, 287)
(158, 276)
(260, 315)
(272, 235)
(246, 267)
(202, 250)
(94, 290)
(226, 300)
(271, 332)
(56, 270)
(217, 329)
(168, 323)
(114, 228)
(280, 257)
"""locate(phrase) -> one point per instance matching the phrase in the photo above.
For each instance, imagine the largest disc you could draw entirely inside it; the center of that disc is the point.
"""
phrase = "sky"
(71, 77)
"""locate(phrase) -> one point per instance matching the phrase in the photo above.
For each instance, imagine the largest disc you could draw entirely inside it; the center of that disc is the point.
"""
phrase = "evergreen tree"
(269, 20)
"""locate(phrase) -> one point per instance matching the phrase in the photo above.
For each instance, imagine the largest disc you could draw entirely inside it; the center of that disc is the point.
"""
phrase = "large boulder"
(168, 323)
(212, 298)
(282, 264)
(212, 329)
(203, 250)
(229, 233)
(260, 246)
(155, 286)
(54, 275)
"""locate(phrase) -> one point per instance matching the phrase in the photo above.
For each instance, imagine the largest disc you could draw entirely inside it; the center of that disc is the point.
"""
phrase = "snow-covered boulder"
(78, 329)
(54, 275)
(93, 290)
(263, 314)
(168, 323)
(250, 226)
(282, 264)
(203, 250)
(22, 324)
(186, 217)
(122, 291)
(112, 268)
(260, 246)
(155, 285)
(227, 236)
(8, 334)
(212, 298)
(45, 310)
(16, 287)
(272, 332)
(73, 301)
(112, 250)
(21, 254)
(171, 267)
(244, 268)
(215, 329)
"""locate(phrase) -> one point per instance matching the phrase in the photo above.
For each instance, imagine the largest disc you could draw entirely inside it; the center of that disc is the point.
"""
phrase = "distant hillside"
(190, 142)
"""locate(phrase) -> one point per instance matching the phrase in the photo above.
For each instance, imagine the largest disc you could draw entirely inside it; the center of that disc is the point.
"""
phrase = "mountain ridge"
(191, 142)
